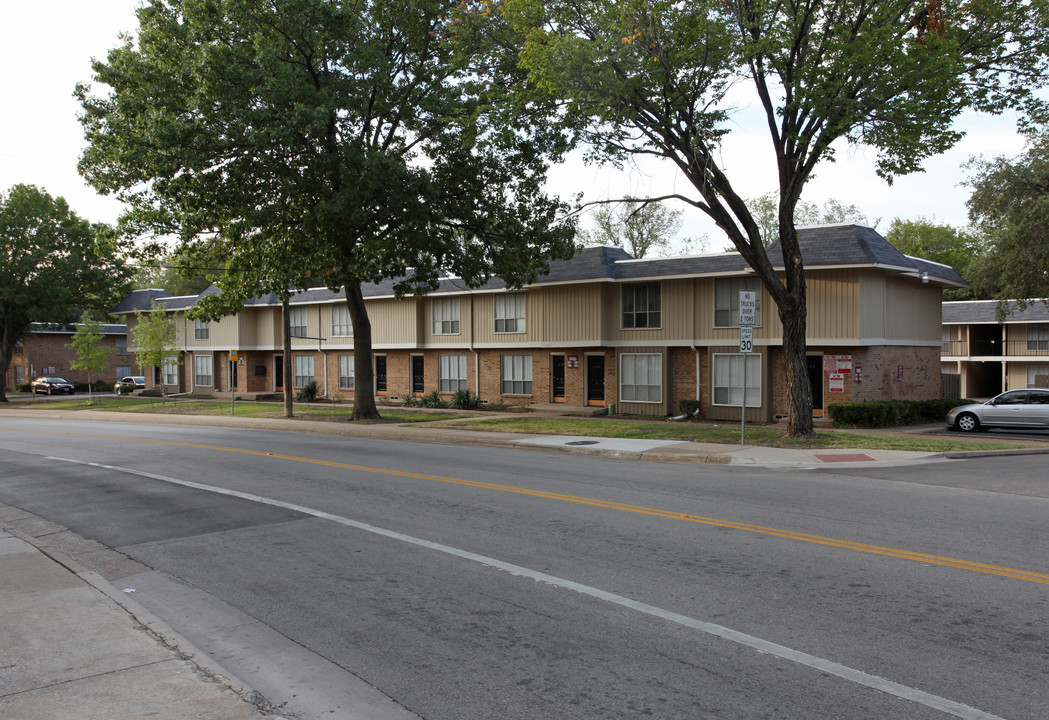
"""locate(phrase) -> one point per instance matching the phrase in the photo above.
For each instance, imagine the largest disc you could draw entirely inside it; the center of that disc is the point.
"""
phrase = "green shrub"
(23, 387)
(432, 399)
(887, 413)
(412, 401)
(463, 400)
(688, 406)
(308, 393)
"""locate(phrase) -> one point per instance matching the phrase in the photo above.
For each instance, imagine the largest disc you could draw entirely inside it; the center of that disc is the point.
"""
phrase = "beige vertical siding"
(571, 313)
(466, 321)
(484, 319)
(833, 305)
(911, 310)
(394, 322)
(769, 328)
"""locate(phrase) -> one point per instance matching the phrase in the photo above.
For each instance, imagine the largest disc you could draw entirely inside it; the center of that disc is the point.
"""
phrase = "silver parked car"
(1016, 408)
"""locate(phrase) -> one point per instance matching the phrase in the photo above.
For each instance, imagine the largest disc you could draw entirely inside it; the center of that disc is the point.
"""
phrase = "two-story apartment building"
(601, 329)
(45, 351)
(993, 356)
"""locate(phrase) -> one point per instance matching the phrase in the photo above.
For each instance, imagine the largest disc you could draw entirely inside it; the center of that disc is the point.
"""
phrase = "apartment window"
(1038, 376)
(201, 330)
(340, 321)
(728, 379)
(122, 345)
(202, 365)
(945, 340)
(510, 313)
(726, 300)
(446, 316)
(19, 347)
(1038, 337)
(517, 374)
(169, 371)
(641, 378)
(297, 320)
(346, 372)
(641, 306)
(451, 373)
(123, 371)
(303, 369)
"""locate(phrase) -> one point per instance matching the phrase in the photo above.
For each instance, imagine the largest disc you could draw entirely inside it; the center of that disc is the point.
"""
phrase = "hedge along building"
(602, 329)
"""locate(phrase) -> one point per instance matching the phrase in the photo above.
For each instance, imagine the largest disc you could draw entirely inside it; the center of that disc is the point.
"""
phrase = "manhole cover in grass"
(582, 442)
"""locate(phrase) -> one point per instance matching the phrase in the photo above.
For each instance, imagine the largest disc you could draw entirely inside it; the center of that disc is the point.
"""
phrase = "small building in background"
(989, 355)
(45, 351)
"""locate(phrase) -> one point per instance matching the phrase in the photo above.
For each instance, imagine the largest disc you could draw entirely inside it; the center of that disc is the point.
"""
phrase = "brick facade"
(47, 352)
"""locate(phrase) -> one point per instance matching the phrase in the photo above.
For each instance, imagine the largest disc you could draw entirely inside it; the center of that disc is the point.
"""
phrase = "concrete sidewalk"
(72, 648)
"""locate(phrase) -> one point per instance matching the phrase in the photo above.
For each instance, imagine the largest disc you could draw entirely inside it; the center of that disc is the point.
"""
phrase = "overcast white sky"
(46, 48)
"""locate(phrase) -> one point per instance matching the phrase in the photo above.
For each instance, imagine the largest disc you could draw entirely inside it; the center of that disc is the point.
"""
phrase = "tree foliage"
(154, 336)
(53, 266)
(176, 275)
(653, 78)
(637, 226)
(1010, 207)
(91, 355)
(962, 249)
(317, 142)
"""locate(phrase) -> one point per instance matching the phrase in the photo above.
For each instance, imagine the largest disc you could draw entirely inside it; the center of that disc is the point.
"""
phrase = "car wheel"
(967, 422)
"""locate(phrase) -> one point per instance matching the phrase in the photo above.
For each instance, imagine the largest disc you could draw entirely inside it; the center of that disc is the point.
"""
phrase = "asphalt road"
(472, 583)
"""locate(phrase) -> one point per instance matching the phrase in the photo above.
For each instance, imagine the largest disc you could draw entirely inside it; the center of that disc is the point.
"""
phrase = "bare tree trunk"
(288, 377)
(364, 375)
(793, 315)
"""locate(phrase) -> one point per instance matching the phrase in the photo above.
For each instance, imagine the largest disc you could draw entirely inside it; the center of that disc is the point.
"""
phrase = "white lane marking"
(763, 646)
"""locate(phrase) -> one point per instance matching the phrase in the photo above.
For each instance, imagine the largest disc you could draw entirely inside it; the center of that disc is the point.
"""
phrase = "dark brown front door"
(278, 372)
(595, 379)
(558, 379)
(814, 365)
(418, 375)
(380, 374)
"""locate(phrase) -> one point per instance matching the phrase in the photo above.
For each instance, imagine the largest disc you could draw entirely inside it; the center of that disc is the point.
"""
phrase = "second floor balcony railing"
(994, 348)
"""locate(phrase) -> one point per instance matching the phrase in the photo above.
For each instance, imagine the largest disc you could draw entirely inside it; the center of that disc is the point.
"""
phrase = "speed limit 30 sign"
(746, 339)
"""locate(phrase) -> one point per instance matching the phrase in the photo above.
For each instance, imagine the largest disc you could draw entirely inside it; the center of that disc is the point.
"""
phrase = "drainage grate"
(583, 442)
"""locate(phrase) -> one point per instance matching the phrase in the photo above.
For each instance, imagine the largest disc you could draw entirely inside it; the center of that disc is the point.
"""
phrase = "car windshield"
(57, 380)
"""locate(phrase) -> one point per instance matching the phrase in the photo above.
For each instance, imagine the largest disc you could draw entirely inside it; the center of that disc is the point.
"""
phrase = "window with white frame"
(641, 377)
(642, 305)
(451, 373)
(446, 316)
(1038, 337)
(169, 371)
(201, 330)
(726, 300)
(1038, 376)
(341, 326)
(728, 379)
(297, 321)
(303, 365)
(517, 375)
(202, 367)
(346, 373)
(510, 313)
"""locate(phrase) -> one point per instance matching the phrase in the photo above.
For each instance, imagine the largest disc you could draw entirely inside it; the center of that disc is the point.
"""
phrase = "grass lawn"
(702, 432)
(303, 411)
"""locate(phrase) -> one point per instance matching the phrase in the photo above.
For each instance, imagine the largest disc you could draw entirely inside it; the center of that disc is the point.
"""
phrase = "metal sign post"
(748, 304)
(232, 382)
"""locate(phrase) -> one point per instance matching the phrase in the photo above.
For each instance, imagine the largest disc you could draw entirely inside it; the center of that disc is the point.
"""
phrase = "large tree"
(53, 266)
(320, 141)
(661, 77)
(1010, 206)
(765, 210)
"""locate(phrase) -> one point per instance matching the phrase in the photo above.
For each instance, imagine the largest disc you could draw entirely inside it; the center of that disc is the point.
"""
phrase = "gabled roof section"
(140, 300)
(984, 312)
